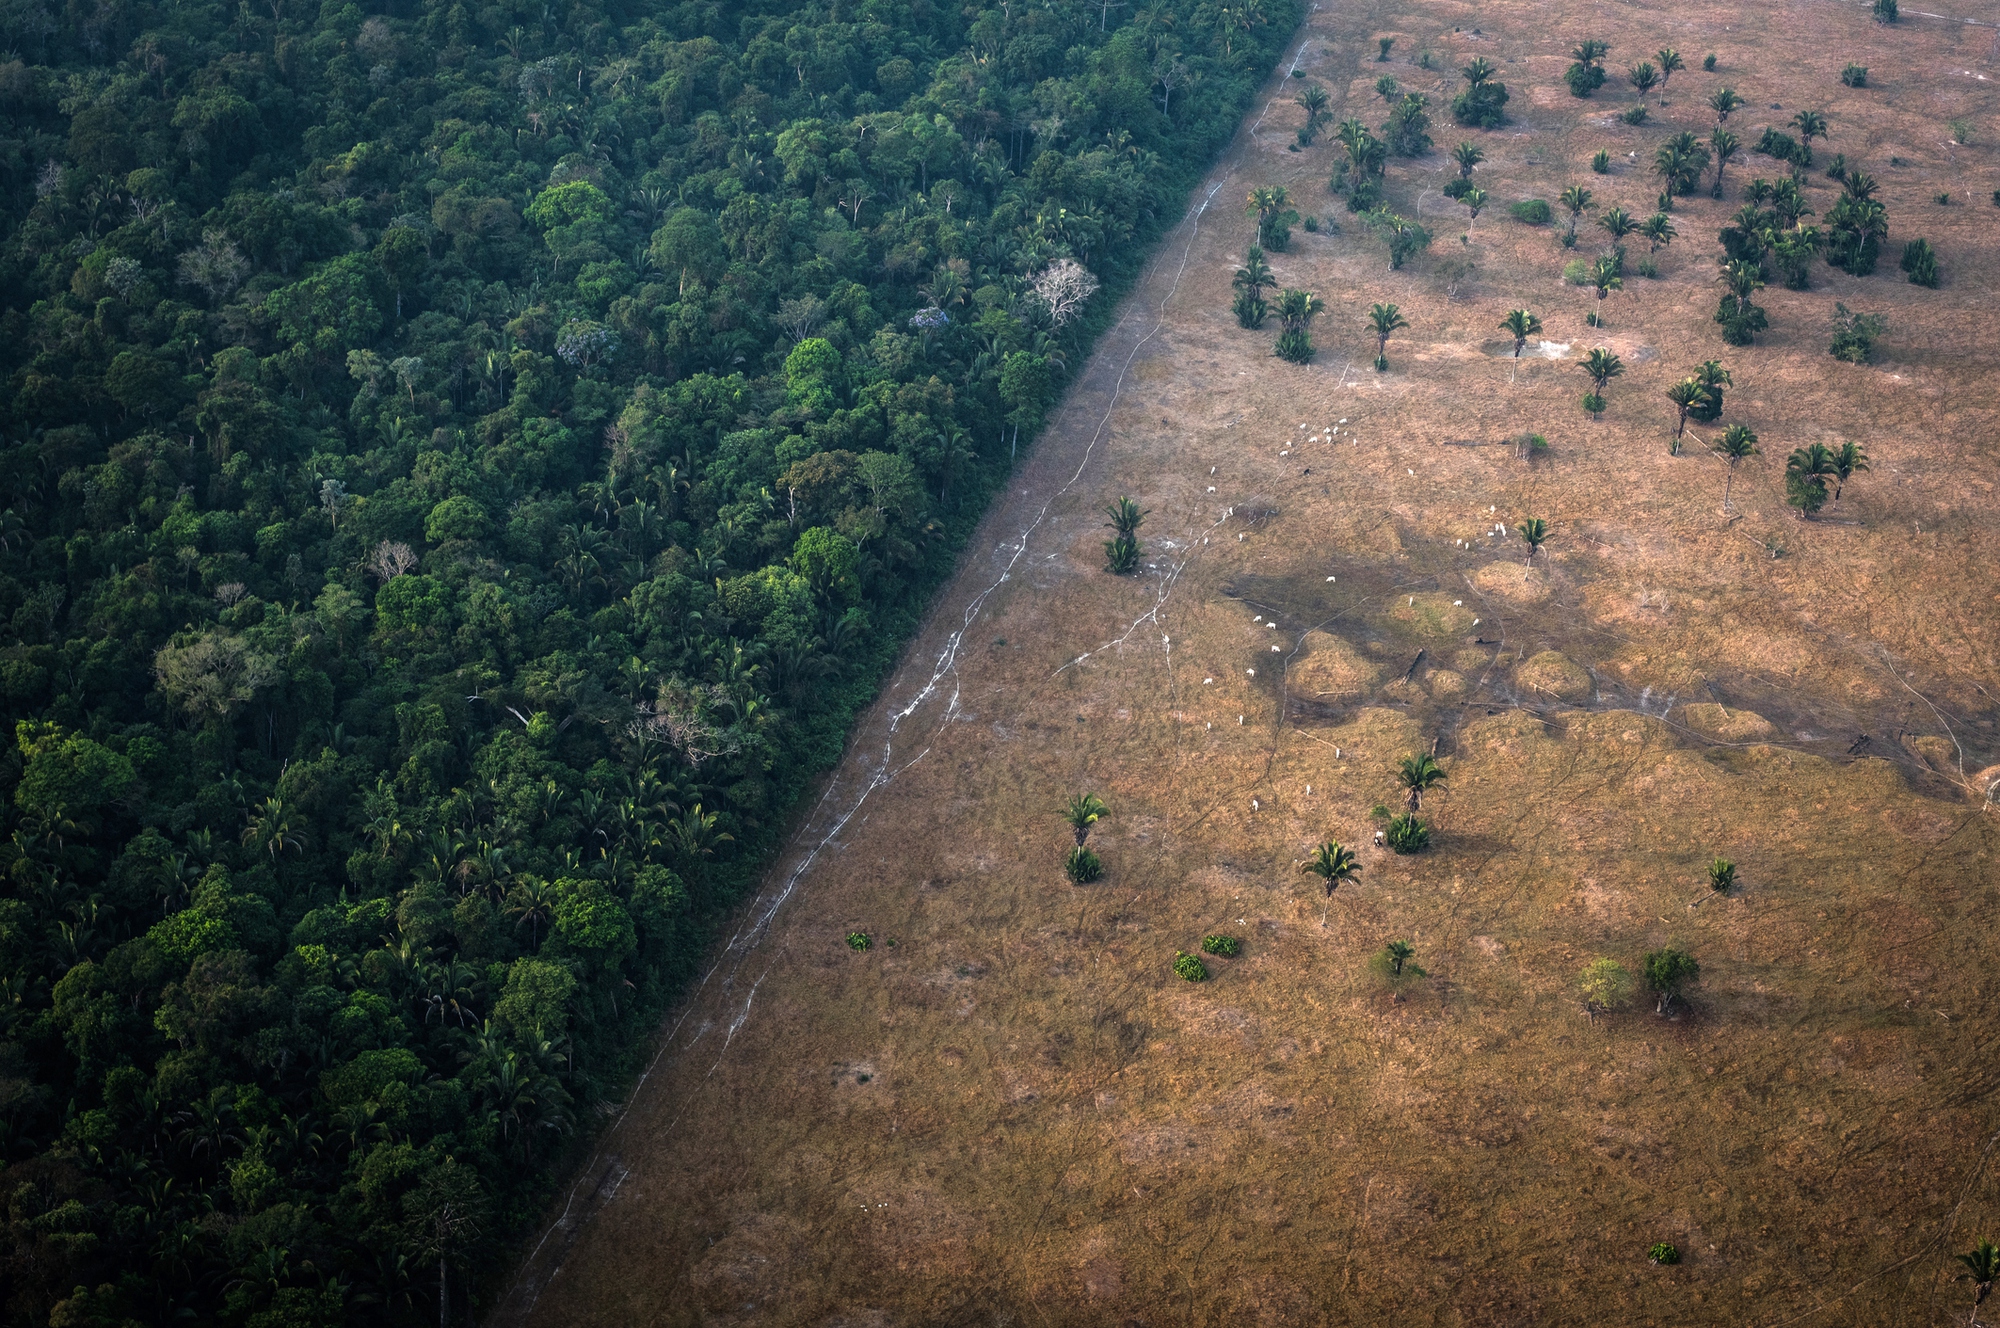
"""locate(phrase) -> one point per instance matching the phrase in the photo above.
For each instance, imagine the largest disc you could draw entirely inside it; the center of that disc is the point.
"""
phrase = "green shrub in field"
(858, 940)
(1406, 834)
(1533, 211)
(1083, 866)
(1226, 946)
(1660, 1252)
(1189, 967)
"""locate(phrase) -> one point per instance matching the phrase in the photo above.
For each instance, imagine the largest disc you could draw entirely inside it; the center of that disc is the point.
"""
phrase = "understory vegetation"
(465, 466)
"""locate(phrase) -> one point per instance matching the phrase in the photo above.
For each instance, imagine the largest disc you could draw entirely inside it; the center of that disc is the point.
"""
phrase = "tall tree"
(1737, 442)
(1385, 320)
(1520, 325)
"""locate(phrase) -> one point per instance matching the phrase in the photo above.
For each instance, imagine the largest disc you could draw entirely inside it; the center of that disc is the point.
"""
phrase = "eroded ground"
(1010, 1109)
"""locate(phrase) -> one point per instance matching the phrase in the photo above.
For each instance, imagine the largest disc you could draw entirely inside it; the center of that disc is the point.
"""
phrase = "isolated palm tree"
(1081, 812)
(1255, 275)
(1604, 275)
(1847, 460)
(1811, 125)
(1806, 472)
(1520, 324)
(1418, 773)
(1313, 101)
(1686, 395)
(1333, 864)
(1536, 532)
(1602, 366)
(1619, 222)
(1126, 516)
(1658, 228)
(1466, 156)
(1387, 320)
(1474, 200)
(1743, 278)
(1737, 442)
(1670, 62)
(1724, 144)
(1723, 101)
(1480, 71)
(1576, 198)
(1982, 1269)
(1644, 76)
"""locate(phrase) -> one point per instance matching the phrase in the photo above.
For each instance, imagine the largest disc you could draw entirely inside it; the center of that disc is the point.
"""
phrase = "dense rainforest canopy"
(464, 465)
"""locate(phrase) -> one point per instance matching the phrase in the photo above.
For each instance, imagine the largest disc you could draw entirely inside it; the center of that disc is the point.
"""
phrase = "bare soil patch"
(1057, 1129)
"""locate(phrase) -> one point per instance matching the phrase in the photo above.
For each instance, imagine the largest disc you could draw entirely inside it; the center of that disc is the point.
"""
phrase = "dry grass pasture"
(1010, 1110)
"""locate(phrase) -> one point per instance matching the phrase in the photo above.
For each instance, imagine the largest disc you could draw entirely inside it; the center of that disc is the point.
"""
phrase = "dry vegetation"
(1009, 1109)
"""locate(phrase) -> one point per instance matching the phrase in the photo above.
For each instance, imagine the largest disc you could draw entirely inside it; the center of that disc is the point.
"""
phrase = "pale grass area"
(1017, 1114)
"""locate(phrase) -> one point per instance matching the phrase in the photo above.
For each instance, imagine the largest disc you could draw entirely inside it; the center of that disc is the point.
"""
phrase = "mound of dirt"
(1726, 725)
(1434, 613)
(1512, 581)
(1447, 685)
(1553, 674)
(1330, 669)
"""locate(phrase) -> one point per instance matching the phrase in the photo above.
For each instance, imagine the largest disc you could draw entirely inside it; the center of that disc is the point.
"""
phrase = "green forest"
(465, 463)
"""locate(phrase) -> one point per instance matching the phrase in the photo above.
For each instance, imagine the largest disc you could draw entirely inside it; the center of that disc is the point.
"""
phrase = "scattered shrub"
(1082, 866)
(1226, 946)
(1576, 272)
(1837, 168)
(1660, 1252)
(1920, 262)
(1121, 555)
(1708, 62)
(1886, 11)
(1382, 48)
(1312, 225)
(1855, 76)
(1425, 60)
(1600, 162)
(858, 940)
(1189, 967)
(1784, 147)
(1532, 211)
(1648, 269)
(1594, 404)
(1406, 834)
(1458, 188)
(1636, 115)
(1592, 319)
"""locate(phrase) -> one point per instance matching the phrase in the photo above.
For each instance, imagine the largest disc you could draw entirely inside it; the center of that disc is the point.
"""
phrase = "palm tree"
(1296, 310)
(1848, 460)
(1737, 442)
(1082, 812)
(1387, 89)
(1333, 864)
(1479, 71)
(1669, 61)
(1268, 204)
(1313, 102)
(1619, 222)
(1126, 516)
(1658, 228)
(1724, 145)
(531, 903)
(1723, 101)
(1982, 1269)
(1806, 470)
(1604, 275)
(1811, 125)
(1520, 324)
(1250, 281)
(1536, 532)
(1474, 200)
(1686, 394)
(1644, 76)
(1744, 279)
(1713, 378)
(1386, 319)
(1602, 366)
(1467, 156)
(1418, 773)
(1576, 198)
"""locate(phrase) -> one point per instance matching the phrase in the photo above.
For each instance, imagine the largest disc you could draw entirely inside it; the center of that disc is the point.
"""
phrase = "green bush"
(1855, 76)
(1406, 834)
(858, 940)
(1576, 272)
(1457, 188)
(1226, 946)
(1189, 967)
(1886, 11)
(1648, 269)
(1593, 404)
(1083, 866)
(1600, 161)
(1532, 211)
(1636, 115)
(1121, 555)
(1660, 1252)
(1920, 262)
(1708, 61)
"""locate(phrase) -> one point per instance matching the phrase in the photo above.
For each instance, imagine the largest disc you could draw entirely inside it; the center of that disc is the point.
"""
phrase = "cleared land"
(1009, 1109)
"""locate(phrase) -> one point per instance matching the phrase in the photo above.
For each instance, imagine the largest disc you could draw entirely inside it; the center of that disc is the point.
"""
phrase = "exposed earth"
(1009, 1109)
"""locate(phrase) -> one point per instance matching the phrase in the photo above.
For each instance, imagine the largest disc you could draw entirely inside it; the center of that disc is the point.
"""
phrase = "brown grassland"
(1010, 1109)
